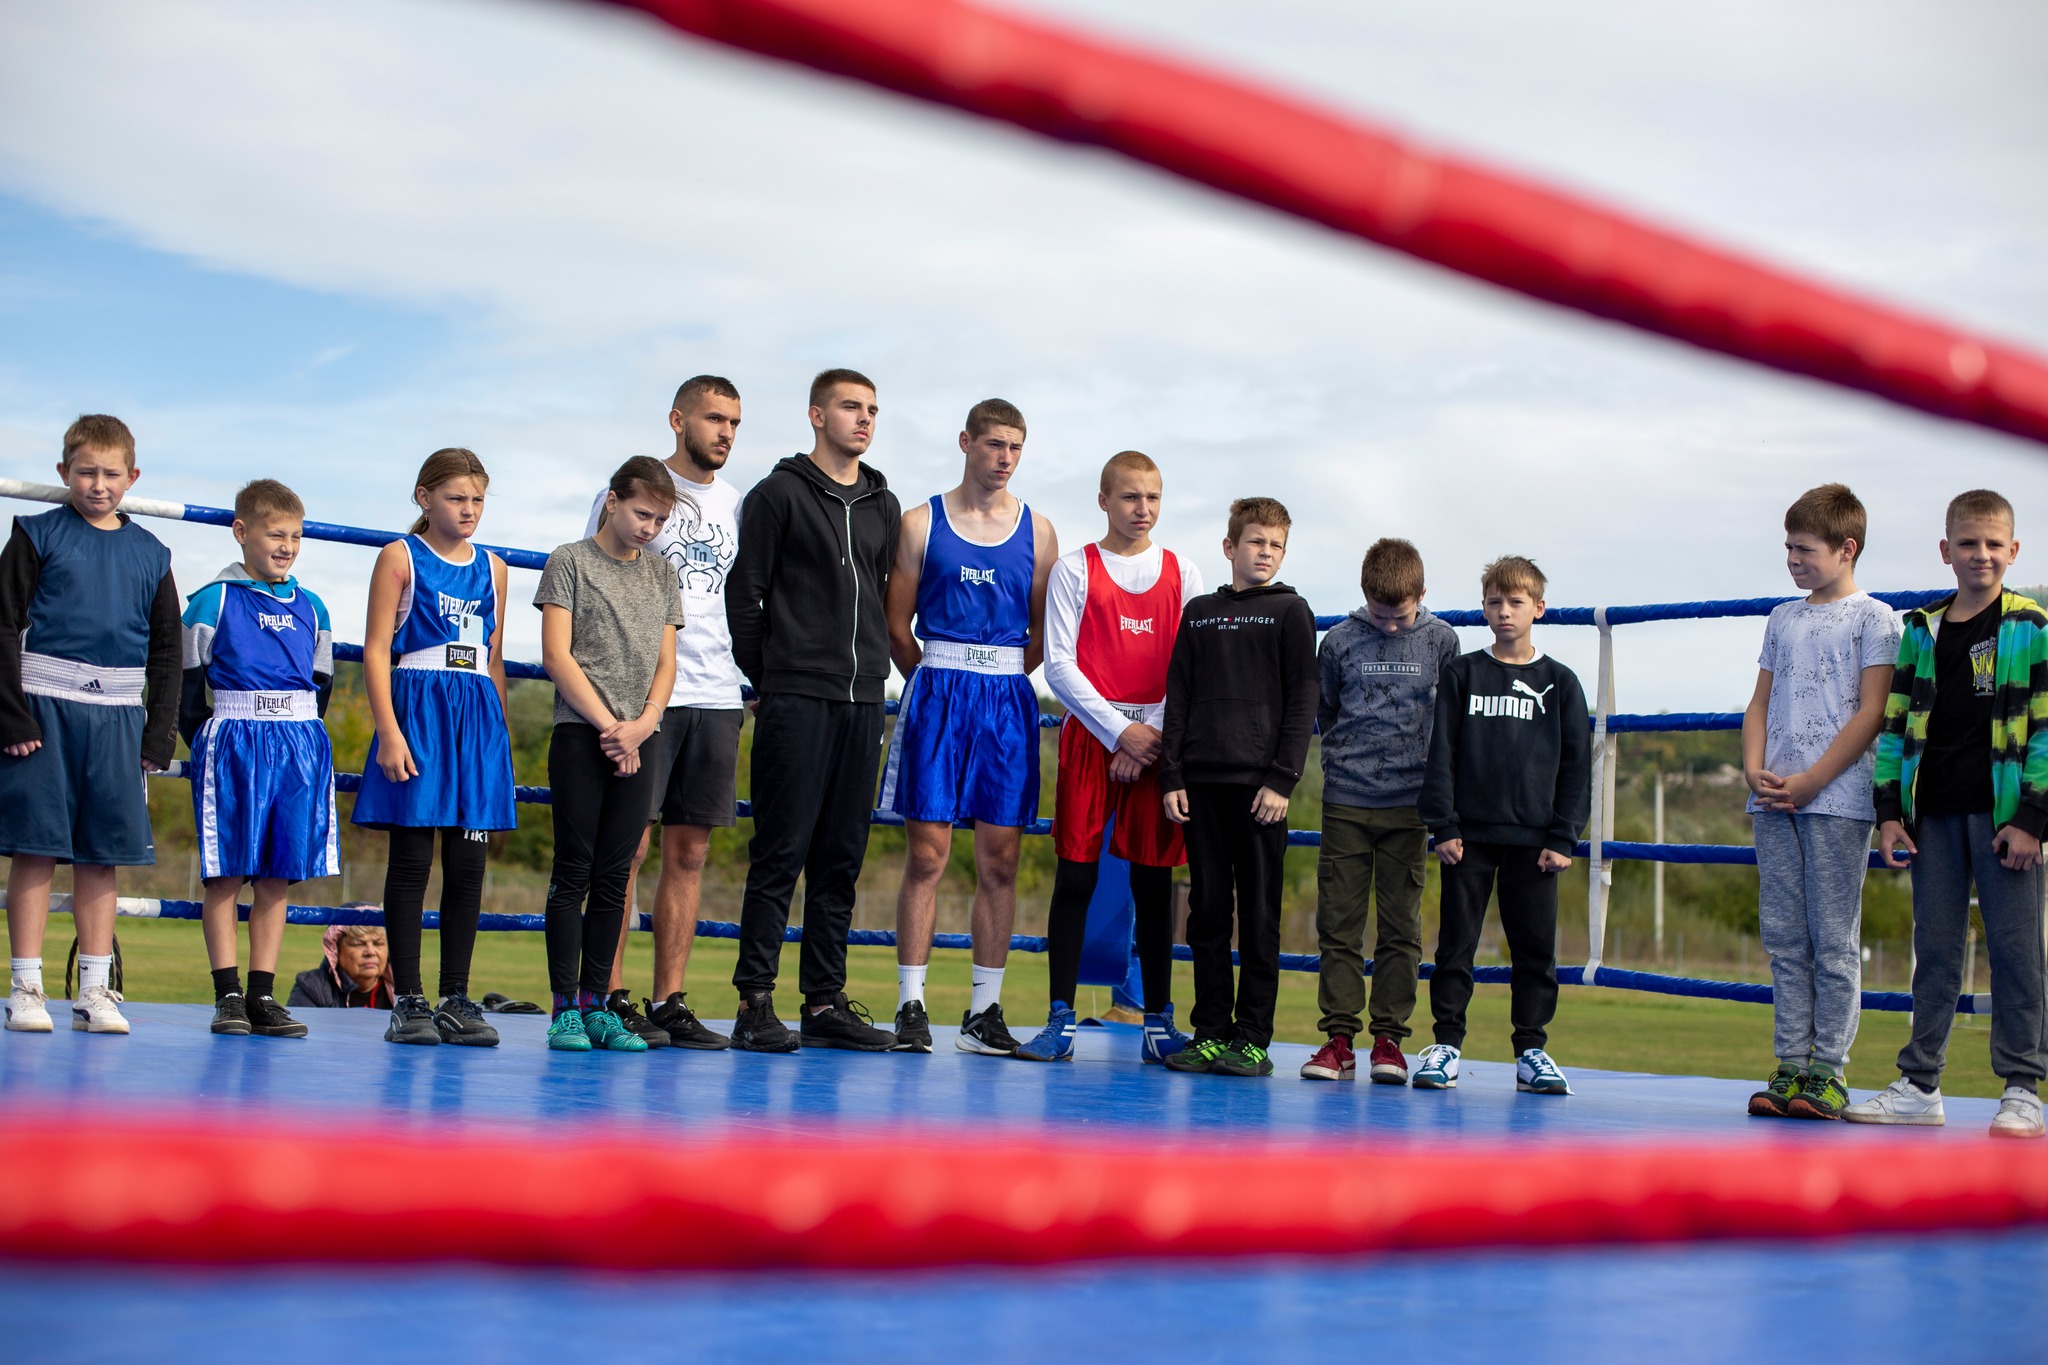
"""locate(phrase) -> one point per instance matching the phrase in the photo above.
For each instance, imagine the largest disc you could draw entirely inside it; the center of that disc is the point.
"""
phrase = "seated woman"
(356, 975)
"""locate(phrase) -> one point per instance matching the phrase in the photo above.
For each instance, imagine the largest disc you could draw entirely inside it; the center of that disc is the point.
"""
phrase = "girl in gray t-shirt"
(609, 614)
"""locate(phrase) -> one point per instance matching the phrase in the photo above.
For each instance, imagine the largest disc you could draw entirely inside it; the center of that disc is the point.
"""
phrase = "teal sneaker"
(1436, 1068)
(1242, 1059)
(606, 1030)
(1774, 1101)
(565, 1033)
(1198, 1056)
(1820, 1096)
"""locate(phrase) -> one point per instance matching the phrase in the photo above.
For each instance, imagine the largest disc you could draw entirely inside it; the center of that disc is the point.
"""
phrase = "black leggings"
(1073, 887)
(463, 853)
(599, 817)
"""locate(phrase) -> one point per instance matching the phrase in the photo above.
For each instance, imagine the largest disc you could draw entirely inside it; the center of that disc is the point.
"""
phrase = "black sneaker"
(683, 1027)
(1242, 1058)
(1199, 1056)
(267, 1019)
(460, 1021)
(846, 1025)
(985, 1033)
(412, 1021)
(637, 1024)
(231, 1015)
(756, 1029)
(913, 1028)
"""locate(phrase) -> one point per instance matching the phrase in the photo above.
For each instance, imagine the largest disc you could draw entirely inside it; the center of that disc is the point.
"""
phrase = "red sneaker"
(1334, 1061)
(1389, 1067)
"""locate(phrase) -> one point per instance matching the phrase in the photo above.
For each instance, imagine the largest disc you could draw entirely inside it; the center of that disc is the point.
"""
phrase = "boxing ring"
(171, 1194)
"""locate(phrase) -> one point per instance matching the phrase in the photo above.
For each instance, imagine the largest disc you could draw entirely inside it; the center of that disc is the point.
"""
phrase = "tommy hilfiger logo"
(91, 685)
(452, 607)
(1143, 627)
(982, 576)
(279, 621)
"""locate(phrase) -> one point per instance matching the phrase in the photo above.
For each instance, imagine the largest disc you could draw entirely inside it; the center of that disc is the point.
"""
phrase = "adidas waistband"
(46, 675)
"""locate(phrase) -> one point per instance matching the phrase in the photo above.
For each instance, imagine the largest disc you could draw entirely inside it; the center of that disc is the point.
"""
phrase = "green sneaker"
(1821, 1095)
(1775, 1099)
(1199, 1055)
(1242, 1059)
(565, 1033)
(609, 1032)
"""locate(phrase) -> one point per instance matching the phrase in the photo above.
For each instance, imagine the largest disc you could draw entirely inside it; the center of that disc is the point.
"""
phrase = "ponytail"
(451, 462)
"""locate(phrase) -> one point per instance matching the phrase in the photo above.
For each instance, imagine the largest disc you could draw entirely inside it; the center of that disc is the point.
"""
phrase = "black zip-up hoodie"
(804, 598)
(1241, 690)
(1510, 755)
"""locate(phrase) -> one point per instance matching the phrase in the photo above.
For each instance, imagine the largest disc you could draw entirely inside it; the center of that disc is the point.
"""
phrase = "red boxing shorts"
(1087, 796)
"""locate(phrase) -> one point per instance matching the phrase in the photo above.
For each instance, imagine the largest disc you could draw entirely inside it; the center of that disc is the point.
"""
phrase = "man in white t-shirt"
(696, 751)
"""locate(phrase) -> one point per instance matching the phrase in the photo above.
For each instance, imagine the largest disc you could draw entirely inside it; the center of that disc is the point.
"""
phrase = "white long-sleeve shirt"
(1066, 594)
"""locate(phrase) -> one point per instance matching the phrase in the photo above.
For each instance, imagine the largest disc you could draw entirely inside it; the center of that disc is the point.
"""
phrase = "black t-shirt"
(1955, 768)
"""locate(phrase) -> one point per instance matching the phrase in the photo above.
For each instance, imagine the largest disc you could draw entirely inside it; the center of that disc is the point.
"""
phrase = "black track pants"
(1528, 920)
(1234, 879)
(812, 781)
(599, 817)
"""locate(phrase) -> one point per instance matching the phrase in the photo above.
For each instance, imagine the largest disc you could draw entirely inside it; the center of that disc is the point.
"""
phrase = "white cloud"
(605, 208)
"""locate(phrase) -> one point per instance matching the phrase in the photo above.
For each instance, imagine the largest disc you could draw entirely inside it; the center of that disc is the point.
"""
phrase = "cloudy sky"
(318, 241)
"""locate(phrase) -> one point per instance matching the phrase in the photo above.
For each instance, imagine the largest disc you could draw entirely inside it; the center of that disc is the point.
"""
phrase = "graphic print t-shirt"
(1816, 654)
(1955, 768)
(699, 541)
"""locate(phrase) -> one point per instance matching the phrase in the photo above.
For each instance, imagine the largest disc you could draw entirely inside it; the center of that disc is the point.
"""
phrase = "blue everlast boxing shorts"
(263, 789)
(966, 740)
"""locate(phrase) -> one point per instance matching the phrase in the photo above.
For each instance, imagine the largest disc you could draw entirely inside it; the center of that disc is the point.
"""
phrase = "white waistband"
(973, 658)
(450, 658)
(49, 676)
(1130, 711)
(266, 706)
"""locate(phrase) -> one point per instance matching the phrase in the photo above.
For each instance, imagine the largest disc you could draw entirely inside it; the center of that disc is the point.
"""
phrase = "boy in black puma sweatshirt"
(1241, 691)
(1505, 793)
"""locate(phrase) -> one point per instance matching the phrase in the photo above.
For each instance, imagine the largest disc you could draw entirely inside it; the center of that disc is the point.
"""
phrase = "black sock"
(261, 984)
(1922, 1086)
(227, 981)
(2026, 1083)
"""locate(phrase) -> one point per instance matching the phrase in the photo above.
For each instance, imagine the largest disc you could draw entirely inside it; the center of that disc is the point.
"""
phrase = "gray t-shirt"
(617, 608)
(1816, 655)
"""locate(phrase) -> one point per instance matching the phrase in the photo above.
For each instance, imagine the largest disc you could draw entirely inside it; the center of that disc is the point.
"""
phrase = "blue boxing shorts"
(80, 797)
(965, 745)
(456, 731)
(263, 789)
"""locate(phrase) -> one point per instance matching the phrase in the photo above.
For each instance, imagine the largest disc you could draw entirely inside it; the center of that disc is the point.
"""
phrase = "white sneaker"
(98, 1010)
(2019, 1114)
(1536, 1074)
(1900, 1102)
(1436, 1068)
(28, 1010)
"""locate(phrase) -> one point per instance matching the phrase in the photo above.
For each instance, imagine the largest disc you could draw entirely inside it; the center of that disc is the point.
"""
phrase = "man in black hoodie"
(804, 602)
(1506, 791)
(1241, 693)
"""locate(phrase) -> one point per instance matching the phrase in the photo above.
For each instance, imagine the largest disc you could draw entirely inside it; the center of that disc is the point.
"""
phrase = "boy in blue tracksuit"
(262, 769)
(88, 704)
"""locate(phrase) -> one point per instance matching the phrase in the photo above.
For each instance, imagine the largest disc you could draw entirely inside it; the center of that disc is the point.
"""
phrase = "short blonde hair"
(1979, 504)
(1510, 572)
(1136, 460)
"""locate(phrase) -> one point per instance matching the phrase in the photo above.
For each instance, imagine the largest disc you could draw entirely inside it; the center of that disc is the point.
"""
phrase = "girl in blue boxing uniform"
(433, 664)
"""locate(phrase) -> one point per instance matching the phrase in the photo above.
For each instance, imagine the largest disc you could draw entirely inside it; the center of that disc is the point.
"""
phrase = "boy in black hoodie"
(1241, 694)
(804, 602)
(1506, 792)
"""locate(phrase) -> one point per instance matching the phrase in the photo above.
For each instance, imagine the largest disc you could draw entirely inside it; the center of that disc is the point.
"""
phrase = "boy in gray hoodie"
(1379, 671)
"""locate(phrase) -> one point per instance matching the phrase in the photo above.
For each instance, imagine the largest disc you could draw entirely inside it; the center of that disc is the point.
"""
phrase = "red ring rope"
(104, 1186)
(1342, 172)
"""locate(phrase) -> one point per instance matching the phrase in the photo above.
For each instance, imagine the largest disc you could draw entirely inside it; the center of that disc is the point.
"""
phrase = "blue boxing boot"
(1055, 1042)
(1162, 1039)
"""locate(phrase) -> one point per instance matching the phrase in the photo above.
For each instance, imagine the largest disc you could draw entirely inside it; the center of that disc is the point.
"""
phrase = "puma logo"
(1526, 690)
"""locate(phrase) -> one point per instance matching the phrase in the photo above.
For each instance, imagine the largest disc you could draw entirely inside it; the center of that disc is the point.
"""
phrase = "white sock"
(94, 970)
(24, 972)
(909, 984)
(988, 988)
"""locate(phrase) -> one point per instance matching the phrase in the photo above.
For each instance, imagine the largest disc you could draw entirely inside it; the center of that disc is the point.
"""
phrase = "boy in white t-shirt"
(1823, 676)
(696, 752)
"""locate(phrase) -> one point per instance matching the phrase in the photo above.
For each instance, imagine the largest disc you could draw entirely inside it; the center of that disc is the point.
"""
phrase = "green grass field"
(1607, 1029)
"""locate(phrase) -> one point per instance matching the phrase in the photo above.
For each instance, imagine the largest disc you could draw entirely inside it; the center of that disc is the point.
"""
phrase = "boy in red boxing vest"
(1111, 612)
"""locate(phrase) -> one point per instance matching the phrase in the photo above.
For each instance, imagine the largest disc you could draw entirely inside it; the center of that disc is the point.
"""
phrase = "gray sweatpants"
(1810, 917)
(1955, 851)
